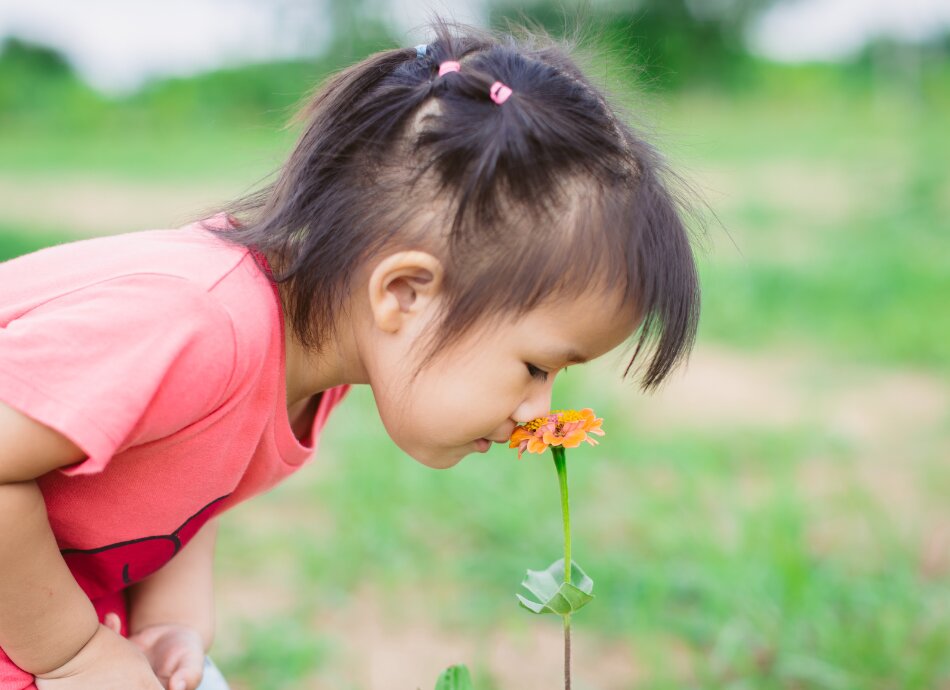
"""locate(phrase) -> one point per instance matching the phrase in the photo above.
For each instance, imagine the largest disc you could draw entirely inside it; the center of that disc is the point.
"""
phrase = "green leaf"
(555, 595)
(455, 678)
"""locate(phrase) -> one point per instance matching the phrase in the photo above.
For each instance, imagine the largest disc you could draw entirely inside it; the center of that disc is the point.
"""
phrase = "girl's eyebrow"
(571, 357)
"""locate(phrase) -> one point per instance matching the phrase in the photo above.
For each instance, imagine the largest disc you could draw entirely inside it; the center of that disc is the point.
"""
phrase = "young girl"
(458, 222)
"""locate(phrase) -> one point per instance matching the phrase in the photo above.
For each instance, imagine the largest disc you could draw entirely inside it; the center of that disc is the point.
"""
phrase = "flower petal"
(573, 439)
(536, 445)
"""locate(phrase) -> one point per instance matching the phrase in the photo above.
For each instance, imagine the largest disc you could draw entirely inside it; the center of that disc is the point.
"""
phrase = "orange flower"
(566, 428)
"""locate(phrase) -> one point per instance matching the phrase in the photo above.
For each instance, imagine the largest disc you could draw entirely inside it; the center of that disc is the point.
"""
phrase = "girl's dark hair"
(546, 195)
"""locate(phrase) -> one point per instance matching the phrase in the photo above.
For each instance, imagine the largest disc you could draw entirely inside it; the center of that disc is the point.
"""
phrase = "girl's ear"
(402, 286)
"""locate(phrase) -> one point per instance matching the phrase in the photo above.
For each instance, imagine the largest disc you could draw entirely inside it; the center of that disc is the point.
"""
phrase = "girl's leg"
(117, 602)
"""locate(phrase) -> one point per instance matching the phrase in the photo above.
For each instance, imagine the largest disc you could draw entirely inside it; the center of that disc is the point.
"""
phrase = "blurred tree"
(35, 80)
(671, 43)
(357, 31)
(18, 54)
(919, 70)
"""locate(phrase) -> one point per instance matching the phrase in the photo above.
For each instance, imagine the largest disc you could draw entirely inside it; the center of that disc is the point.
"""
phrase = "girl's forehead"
(594, 306)
(584, 324)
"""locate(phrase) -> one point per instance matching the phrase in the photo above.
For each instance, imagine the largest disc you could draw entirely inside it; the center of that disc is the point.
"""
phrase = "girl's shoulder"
(189, 253)
(178, 275)
(122, 339)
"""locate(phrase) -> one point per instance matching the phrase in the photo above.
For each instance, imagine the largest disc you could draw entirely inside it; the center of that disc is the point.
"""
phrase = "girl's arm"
(45, 617)
(181, 592)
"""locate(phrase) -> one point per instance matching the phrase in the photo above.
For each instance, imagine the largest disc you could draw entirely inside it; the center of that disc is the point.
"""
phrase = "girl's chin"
(443, 459)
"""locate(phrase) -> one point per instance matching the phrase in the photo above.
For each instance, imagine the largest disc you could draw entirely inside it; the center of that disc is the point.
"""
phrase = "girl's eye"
(537, 373)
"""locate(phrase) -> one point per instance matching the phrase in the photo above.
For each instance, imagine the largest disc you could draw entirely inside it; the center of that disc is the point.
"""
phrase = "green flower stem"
(560, 463)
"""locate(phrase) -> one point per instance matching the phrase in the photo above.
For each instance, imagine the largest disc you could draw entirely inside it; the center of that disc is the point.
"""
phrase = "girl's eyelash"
(537, 373)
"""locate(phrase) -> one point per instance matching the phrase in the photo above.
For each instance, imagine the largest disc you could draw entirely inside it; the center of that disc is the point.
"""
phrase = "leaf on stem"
(555, 595)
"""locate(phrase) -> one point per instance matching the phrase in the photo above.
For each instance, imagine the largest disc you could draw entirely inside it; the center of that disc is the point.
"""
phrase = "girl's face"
(482, 387)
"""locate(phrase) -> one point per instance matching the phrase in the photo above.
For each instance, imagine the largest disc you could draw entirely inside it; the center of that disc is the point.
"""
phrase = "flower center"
(560, 418)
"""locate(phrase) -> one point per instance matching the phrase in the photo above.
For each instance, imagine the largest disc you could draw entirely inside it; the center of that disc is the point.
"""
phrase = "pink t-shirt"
(159, 353)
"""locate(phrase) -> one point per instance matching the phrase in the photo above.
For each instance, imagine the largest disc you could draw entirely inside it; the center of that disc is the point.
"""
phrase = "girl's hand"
(175, 652)
(107, 662)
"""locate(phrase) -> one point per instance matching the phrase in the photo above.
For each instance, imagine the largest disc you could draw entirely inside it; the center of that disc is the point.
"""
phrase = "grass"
(164, 153)
(704, 544)
(714, 555)
(833, 222)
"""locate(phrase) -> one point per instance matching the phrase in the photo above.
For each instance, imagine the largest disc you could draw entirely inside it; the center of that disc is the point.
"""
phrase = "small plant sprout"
(455, 678)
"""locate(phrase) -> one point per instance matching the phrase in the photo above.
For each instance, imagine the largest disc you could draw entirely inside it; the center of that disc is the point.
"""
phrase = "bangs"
(625, 239)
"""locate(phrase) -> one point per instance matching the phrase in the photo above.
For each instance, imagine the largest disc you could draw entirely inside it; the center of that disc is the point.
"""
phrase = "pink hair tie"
(449, 66)
(499, 92)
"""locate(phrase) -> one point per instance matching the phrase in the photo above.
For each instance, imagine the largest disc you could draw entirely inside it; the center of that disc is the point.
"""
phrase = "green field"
(779, 521)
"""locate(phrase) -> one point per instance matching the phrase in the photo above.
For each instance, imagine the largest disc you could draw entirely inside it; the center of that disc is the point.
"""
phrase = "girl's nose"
(536, 405)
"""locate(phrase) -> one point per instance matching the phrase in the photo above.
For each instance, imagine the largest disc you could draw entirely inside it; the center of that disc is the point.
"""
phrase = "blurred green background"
(775, 517)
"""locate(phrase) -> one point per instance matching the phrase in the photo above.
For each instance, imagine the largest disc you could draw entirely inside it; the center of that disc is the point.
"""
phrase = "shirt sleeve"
(119, 363)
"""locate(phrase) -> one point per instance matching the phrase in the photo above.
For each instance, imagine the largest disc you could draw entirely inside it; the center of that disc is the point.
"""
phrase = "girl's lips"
(482, 445)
